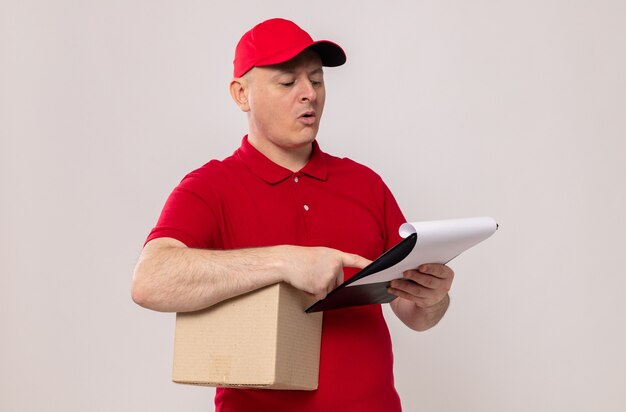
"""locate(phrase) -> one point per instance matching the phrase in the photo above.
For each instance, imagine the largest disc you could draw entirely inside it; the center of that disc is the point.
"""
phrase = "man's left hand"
(426, 287)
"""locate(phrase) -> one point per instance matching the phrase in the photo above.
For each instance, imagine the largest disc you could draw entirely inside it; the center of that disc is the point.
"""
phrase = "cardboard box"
(262, 339)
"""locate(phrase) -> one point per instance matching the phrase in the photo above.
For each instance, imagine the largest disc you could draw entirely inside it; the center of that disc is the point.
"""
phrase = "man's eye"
(287, 84)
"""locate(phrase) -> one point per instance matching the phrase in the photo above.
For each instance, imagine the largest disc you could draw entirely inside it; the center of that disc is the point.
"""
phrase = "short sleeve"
(189, 214)
(393, 218)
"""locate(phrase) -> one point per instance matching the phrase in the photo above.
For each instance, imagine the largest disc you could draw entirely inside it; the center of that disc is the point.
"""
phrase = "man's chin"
(304, 138)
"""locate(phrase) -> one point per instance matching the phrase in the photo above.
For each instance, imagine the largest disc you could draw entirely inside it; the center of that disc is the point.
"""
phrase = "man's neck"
(293, 158)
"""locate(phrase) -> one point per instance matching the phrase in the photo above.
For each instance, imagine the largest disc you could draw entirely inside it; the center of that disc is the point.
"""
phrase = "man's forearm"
(417, 318)
(171, 278)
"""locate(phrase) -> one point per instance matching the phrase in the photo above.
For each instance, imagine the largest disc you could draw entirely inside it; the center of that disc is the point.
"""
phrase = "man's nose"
(307, 92)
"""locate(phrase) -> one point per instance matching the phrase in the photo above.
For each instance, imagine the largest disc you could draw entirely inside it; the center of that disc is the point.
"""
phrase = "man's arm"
(422, 295)
(170, 277)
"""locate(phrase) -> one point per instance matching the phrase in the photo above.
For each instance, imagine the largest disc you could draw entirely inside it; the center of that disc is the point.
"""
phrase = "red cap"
(278, 40)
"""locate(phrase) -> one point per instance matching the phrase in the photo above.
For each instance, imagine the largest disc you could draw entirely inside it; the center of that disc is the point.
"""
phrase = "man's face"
(286, 102)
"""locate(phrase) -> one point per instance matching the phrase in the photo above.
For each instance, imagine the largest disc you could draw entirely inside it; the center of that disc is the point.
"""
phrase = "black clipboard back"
(345, 295)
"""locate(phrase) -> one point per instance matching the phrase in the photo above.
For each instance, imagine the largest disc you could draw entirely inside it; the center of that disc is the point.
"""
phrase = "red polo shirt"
(246, 200)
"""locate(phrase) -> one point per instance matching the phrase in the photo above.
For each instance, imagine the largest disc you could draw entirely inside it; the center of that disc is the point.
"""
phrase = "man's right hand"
(316, 270)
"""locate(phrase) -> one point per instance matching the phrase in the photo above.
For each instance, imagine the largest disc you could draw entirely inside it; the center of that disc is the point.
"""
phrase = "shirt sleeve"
(394, 218)
(189, 214)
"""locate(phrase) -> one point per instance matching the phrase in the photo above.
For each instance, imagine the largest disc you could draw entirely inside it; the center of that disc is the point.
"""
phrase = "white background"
(513, 109)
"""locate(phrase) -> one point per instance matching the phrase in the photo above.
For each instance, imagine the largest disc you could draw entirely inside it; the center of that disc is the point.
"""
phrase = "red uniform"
(246, 200)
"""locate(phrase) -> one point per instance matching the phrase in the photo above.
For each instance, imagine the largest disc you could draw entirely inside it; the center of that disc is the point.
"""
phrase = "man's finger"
(354, 261)
(423, 279)
(436, 269)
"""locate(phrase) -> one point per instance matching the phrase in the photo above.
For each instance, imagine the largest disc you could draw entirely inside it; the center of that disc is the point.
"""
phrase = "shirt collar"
(272, 173)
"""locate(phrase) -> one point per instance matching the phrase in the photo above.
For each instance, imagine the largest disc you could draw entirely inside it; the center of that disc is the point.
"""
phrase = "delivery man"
(279, 209)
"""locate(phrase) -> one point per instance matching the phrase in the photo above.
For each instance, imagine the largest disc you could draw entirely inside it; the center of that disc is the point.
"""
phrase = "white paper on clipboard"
(438, 241)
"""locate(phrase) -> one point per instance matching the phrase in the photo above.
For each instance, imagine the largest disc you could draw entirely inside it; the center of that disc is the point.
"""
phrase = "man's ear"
(239, 93)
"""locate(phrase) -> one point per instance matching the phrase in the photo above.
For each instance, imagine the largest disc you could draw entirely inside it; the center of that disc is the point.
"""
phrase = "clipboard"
(437, 241)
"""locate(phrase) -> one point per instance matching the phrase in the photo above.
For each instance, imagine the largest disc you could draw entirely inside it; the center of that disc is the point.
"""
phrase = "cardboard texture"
(262, 339)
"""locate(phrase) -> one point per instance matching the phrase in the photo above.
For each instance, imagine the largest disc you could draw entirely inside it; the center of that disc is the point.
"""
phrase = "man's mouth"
(308, 117)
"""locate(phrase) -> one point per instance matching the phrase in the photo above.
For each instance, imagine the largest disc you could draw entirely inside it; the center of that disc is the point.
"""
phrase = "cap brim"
(332, 54)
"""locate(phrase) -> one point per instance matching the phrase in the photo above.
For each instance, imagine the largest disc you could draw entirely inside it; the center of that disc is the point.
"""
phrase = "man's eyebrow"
(292, 70)
(281, 71)
(285, 70)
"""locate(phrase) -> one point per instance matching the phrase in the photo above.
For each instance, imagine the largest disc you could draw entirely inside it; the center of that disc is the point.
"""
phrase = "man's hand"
(317, 270)
(424, 295)
(426, 286)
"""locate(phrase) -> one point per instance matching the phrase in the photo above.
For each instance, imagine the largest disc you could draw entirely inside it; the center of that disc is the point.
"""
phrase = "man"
(280, 209)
